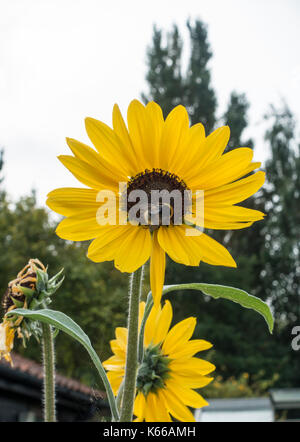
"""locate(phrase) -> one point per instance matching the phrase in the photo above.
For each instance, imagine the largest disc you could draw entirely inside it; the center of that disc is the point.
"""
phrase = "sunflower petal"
(109, 174)
(151, 324)
(213, 252)
(157, 269)
(179, 247)
(163, 323)
(80, 227)
(85, 173)
(155, 115)
(109, 146)
(115, 378)
(214, 146)
(139, 405)
(174, 134)
(145, 128)
(134, 251)
(140, 133)
(163, 412)
(228, 168)
(158, 324)
(108, 242)
(187, 395)
(191, 366)
(70, 201)
(235, 192)
(117, 349)
(188, 249)
(151, 412)
(187, 154)
(114, 363)
(190, 348)
(195, 380)
(121, 335)
(121, 131)
(176, 407)
(179, 333)
(231, 214)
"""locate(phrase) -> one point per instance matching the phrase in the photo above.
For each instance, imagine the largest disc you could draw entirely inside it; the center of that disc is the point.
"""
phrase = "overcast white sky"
(63, 60)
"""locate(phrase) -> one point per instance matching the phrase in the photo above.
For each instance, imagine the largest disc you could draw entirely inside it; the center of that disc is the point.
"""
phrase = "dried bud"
(23, 286)
(31, 290)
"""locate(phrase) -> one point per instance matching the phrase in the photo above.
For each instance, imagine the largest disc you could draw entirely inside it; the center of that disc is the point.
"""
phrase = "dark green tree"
(281, 277)
(240, 337)
(169, 86)
(164, 74)
(199, 98)
(237, 119)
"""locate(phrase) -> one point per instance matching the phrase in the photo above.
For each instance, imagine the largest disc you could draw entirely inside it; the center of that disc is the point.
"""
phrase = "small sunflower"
(169, 372)
(153, 154)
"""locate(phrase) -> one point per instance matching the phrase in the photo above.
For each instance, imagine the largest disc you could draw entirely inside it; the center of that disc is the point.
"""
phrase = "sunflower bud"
(31, 289)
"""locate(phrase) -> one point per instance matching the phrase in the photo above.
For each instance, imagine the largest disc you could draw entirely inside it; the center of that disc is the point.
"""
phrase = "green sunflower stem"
(120, 396)
(49, 373)
(136, 280)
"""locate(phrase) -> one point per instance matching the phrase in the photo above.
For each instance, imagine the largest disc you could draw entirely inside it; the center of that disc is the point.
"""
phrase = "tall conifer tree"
(240, 337)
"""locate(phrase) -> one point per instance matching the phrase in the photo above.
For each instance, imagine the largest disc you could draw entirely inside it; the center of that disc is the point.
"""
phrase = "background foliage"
(94, 295)
(268, 252)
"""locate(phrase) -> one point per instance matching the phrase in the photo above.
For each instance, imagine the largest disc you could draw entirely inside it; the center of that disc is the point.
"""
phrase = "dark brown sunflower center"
(156, 197)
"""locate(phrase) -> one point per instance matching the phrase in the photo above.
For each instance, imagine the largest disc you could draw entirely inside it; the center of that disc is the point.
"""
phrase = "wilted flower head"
(15, 295)
(31, 289)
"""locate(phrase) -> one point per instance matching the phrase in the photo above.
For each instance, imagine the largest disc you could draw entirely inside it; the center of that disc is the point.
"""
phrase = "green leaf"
(54, 278)
(42, 279)
(26, 291)
(233, 294)
(62, 322)
(17, 303)
(216, 291)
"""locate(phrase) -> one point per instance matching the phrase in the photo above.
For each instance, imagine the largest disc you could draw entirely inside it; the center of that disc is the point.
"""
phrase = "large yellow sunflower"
(156, 154)
(169, 373)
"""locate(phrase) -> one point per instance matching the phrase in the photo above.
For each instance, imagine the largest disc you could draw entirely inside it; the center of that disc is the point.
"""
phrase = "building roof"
(239, 404)
(236, 410)
(285, 398)
(35, 370)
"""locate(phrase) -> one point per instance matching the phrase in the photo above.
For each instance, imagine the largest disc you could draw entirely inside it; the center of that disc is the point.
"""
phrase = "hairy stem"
(132, 346)
(49, 373)
(120, 396)
(148, 307)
